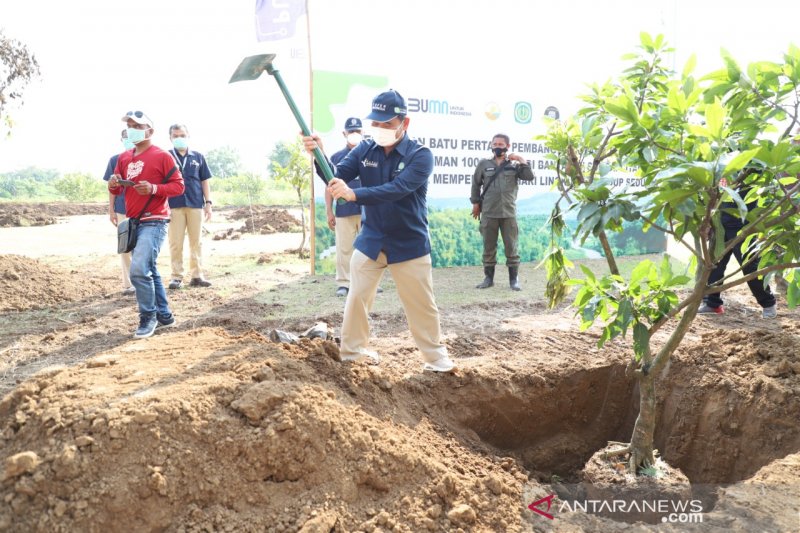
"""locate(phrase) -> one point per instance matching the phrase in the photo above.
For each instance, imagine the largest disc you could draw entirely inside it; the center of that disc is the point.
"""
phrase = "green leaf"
(670, 173)
(649, 154)
(739, 202)
(690, 64)
(678, 281)
(587, 210)
(700, 174)
(665, 272)
(715, 119)
(619, 111)
(640, 272)
(625, 314)
(641, 340)
(740, 161)
(588, 273)
(793, 293)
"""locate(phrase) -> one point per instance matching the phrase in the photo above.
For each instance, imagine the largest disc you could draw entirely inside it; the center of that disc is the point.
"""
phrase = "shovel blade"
(251, 67)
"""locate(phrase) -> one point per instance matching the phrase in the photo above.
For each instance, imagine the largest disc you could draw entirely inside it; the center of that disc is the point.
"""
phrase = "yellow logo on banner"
(492, 111)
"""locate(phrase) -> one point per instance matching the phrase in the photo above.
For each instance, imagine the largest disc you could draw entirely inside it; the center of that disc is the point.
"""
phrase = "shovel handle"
(327, 173)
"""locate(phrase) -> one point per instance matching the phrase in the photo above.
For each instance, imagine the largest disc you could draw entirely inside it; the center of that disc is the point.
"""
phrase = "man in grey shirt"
(494, 202)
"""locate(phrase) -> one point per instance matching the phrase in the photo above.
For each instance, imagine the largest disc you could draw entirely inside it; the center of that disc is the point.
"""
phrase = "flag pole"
(312, 207)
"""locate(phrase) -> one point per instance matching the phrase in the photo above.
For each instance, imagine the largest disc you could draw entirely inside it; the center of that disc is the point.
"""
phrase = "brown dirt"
(260, 219)
(30, 284)
(211, 427)
(20, 214)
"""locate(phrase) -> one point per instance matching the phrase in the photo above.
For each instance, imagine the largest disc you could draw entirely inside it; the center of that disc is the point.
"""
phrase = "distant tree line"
(456, 241)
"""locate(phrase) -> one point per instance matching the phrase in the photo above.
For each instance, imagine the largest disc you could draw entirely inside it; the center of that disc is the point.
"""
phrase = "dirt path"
(210, 426)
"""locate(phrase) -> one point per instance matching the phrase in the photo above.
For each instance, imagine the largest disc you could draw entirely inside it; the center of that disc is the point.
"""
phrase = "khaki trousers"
(126, 261)
(185, 220)
(414, 281)
(347, 229)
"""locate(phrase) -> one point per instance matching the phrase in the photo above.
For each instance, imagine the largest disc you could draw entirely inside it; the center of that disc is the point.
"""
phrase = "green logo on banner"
(333, 88)
(523, 112)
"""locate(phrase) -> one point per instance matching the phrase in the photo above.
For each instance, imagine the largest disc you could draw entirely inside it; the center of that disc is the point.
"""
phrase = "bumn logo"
(424, 105)
(523, 112)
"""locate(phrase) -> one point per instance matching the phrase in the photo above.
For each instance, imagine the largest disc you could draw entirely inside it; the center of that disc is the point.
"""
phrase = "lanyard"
(178, 159)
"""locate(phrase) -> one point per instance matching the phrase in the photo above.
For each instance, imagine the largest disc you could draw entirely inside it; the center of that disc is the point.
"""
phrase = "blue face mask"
(180, 143)
(135, 136)
(128, 144)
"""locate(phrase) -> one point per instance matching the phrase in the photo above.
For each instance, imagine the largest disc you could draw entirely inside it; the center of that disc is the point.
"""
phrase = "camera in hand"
(126, 183)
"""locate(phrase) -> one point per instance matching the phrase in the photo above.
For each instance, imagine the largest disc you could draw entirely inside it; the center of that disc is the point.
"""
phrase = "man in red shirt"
(155, 177)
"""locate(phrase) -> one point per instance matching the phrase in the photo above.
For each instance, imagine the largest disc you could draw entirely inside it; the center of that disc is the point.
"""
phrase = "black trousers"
(763, 295)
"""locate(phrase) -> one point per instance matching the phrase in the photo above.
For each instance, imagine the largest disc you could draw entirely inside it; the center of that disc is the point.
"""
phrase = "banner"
(283, 26)
(278, 19)
(457, 122)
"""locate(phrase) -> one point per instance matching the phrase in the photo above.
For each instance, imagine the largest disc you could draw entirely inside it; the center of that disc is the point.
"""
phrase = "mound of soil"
(30, 284)
(211, 427)
(265, 220)
(239, 434)
(15, 215)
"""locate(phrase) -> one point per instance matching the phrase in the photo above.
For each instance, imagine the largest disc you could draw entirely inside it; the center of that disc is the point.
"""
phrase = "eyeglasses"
(137, 114)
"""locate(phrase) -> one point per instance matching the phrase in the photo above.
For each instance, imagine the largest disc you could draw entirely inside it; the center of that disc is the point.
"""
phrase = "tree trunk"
(641, 446)
(645, 427)
(612, 263)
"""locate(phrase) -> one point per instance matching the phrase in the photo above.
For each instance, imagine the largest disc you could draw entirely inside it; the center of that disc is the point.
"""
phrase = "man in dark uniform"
(712, 304)
(116, 213)
(494, 202)
(188, 210)
(346, 221)
(394, 171)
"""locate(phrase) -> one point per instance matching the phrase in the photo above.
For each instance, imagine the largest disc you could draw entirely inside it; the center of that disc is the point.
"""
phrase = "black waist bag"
(126, 235)
(126, 230)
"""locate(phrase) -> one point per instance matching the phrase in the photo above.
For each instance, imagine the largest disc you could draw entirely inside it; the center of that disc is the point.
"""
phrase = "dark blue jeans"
(150, 293)
(763, 295)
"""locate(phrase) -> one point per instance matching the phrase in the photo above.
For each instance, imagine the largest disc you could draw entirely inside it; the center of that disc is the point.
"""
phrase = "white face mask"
(384, 136)
(353, 138)
(136, 135)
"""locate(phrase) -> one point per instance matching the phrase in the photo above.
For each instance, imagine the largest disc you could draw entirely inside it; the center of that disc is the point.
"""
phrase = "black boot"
(513, 278)
(488, 281)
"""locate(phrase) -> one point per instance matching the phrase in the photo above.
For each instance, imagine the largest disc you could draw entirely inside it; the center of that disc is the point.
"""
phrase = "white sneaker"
(770, 312)
(445, 364)
(364, 354)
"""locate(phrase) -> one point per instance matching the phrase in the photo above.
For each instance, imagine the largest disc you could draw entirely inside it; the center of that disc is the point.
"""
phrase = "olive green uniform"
(499, 207)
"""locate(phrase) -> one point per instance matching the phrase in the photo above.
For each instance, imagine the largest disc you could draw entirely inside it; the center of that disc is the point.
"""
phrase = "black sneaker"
(199, 282)
(147, 326)
(175, 284)
(165, 321)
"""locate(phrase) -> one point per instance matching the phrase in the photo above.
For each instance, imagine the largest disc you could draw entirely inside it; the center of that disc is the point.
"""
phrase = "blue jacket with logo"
(346, 209)
(194, 168)
(393, 190)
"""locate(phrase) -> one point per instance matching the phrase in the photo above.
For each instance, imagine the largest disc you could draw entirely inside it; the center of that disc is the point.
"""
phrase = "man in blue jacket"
(393, 170)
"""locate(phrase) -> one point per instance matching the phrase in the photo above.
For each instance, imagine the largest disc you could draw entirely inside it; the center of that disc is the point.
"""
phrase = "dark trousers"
(489, 228)
(763, 295)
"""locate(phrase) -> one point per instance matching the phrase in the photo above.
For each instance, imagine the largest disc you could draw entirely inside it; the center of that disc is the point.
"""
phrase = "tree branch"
(598, 158)
(748, 277)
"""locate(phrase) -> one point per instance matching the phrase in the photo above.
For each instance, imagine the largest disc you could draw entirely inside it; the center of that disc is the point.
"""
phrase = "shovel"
(250, 69)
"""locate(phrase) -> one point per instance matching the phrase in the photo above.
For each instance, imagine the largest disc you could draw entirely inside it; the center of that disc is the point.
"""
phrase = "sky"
(173, 59)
